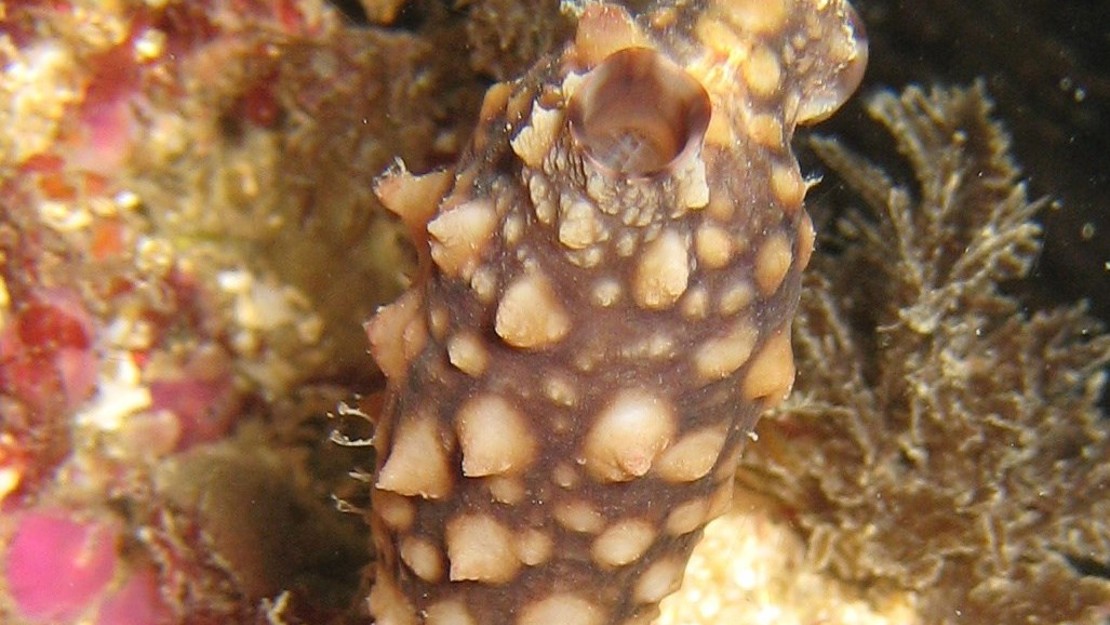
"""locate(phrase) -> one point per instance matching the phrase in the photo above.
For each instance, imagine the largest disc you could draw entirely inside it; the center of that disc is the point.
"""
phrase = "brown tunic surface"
(603, 310)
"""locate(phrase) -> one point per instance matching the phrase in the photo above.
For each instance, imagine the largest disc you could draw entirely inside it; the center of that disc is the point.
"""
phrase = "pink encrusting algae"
(137, 602)
(56, 566)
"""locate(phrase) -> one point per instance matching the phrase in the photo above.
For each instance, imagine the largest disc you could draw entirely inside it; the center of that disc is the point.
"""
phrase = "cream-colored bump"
(721, 206)
(653, 347)
(687, 517)
(735, 298)
(660, 580)
(413, 338)
(662, 273)
(727, 467)
(806, 238)
(466, 351)
(417, 463)
(788, 186)
(756, 16)
(534, 546)
(623, 542)
(606, 292)
(719, 132)
(579, 226)
(696, 303)
(539, 190)
(561, 609)
(772, 262)
(386, 332)
(766, 130)
(495, 438)
(534, 141)
(602, 30)
(719, 357)
(560, 390)
(480, 549)
(718, 36)
(411, 197)
(483, 281)
(512, 229)
(460, 235)
(506, 489)
(693, 455)
(692, 187)
(588, 258)
(578, 515)
(570, 85)
(438, 320)
(387, 603)
(530, 314)
(627, 436)
(449, 612)
(495, 100)
(564, 475)
(762, 72)
(713, 246)
(627, 243)
(720, 501)
(395, 510)
(422, 557)
(521, 102)
(772, 372)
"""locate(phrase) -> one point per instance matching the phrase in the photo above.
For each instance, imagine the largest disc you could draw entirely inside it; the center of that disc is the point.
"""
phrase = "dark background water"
(1047, 65)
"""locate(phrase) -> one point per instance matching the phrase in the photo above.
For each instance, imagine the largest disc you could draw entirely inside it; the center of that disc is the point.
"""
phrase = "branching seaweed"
(945, 438)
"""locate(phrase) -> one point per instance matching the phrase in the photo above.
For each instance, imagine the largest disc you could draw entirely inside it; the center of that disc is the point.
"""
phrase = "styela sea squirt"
(602, 311)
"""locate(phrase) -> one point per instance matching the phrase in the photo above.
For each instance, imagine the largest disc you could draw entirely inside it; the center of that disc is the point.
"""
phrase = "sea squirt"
(603, 306)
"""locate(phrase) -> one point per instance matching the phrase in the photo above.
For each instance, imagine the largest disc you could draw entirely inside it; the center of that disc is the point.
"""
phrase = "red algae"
(56, 566)
(204, 403)
(138, 602)
(46, 356)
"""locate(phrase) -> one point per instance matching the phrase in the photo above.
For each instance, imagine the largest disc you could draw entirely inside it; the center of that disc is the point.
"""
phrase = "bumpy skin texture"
(603, 310)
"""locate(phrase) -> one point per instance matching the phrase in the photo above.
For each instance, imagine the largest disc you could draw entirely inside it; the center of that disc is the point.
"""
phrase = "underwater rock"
(602, 311)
